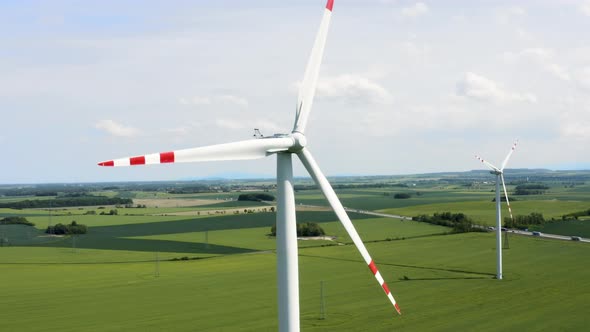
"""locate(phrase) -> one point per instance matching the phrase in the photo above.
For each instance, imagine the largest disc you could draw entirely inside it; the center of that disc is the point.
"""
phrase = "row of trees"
(522, 222)
(15, 220)
(72, 228)
(66, 202)
(575, 215)
(300, 187)
(530, 189)
(256, 197)
(303, 229)
(459, 222)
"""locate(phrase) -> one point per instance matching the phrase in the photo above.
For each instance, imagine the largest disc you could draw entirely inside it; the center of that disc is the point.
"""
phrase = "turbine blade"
(319, 178)
(308, 85)
(509, 154)
(506, 195)
(492, 167)
(250, 149)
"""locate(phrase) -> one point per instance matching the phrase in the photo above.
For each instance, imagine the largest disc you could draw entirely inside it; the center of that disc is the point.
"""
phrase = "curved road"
(514, 231)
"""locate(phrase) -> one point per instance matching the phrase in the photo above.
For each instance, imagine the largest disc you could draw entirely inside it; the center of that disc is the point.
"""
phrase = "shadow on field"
(124, 236)
(482, 274)
(448, 278)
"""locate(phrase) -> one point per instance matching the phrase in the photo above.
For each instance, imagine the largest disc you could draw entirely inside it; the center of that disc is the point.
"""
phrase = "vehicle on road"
(576, 238)
(536, 233)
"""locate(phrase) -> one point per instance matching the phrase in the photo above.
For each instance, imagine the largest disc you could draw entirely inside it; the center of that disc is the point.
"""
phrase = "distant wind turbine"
(283, 145)
(499, 172)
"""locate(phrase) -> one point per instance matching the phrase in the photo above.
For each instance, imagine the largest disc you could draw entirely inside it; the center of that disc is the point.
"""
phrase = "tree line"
(523, 222)
(66, 201)
(459, 222)
(15, 220)
(256, 197)
(530, 189)
(303, 229)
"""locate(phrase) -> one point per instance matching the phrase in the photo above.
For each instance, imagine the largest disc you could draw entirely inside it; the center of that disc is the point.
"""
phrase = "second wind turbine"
(499, 172)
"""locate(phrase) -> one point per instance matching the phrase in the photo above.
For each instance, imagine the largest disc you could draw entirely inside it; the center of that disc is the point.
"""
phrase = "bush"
(72, 228)
(402, 196)
(303, 229)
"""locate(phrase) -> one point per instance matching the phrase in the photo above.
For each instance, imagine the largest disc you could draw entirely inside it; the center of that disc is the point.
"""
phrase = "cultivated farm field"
(206, 262)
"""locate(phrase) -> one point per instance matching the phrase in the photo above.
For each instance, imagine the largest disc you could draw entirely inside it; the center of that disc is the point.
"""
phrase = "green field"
(212, 270)
(450, 287)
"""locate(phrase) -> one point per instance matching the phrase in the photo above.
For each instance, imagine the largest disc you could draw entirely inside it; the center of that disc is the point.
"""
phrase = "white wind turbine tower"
(284, 146)
(499, 172)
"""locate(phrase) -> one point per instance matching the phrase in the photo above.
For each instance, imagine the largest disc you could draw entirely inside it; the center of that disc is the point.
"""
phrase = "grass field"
(450, 288)
(121, 275)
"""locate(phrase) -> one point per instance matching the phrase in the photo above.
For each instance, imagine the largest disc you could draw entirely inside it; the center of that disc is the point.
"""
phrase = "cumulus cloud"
(116, 129)
(523, 34)
(419, 52)
(418, 9)
(507, 14)
(542, 57)
(477, 87)
(195, 101)
(266, 127)
(576, 130)
(353, 88)
(585, 8)
(583, 78)
(218, 99)
(230, 99)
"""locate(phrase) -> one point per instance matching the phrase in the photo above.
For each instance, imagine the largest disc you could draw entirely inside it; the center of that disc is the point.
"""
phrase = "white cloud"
(542, 57)
(230, 99)
(415, 51)
(523, 34)
(508, 14)
(220, 99)
(576, 130)
(585, 8)
(266, 127)
(116, 129)
(583, 77)
(418, 9)
(353, 88)
(477, 87)
(195, 101)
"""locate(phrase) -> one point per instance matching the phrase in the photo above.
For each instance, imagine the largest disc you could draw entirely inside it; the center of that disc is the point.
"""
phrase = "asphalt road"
(514, 231)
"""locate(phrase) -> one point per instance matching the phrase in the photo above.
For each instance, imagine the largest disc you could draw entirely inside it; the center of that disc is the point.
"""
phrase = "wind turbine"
(284, 146)
(499, 172)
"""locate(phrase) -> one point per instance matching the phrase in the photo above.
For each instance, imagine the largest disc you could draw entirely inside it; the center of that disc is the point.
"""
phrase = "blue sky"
(405, 86)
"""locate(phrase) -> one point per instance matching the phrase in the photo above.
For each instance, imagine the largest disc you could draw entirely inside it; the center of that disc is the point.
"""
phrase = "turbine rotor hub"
(299, 141)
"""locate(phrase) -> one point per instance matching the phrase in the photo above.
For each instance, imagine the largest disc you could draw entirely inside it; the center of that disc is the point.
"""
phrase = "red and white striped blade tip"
(398, 309)
(329, 5)
(107, 163)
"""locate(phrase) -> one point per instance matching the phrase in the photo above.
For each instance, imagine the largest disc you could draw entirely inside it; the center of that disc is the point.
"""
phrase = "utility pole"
(157, 266)
(322, 302)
